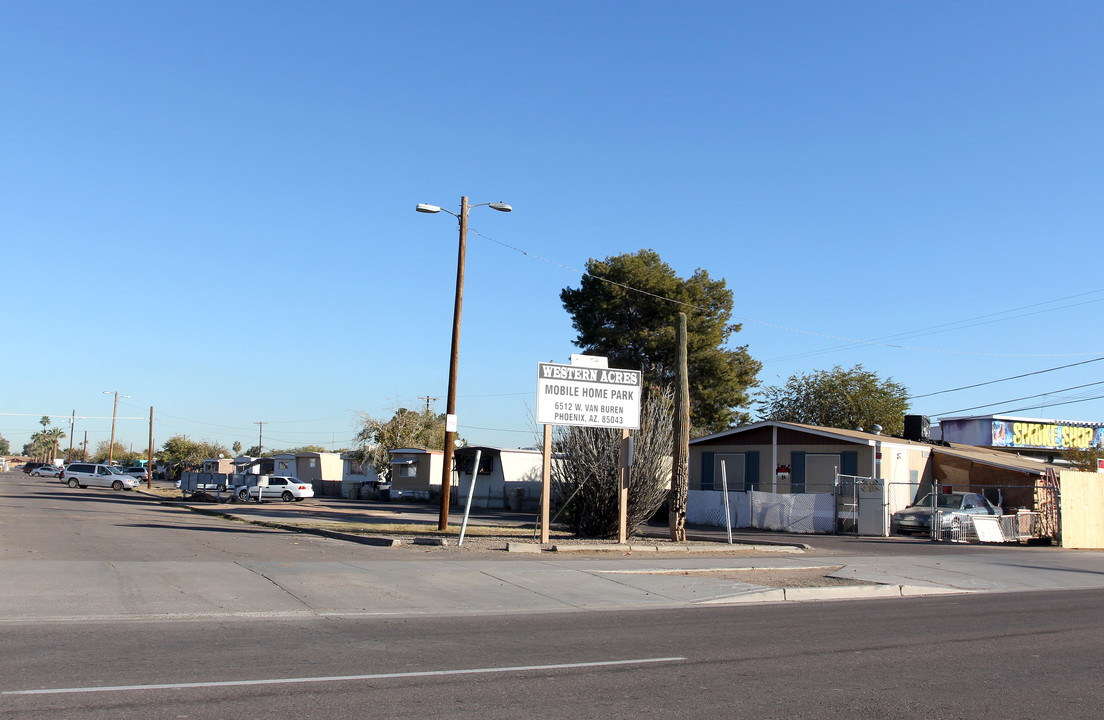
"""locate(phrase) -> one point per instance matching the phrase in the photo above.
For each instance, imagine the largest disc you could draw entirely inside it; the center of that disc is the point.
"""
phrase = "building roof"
(997, 458)
(861, 436)
(983, 455)
(1017, 418)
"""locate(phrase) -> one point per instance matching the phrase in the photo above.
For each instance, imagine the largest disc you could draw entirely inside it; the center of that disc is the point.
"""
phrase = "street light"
(114, 411)
(450, 410)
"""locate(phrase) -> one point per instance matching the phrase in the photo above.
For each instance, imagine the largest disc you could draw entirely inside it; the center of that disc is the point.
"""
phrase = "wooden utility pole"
(260, 437)
(72, 427)
(624, 454)
(680, 481)
(428, 400)
(546, 483)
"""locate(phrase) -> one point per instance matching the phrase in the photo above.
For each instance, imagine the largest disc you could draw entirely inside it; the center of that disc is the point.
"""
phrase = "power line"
(1014, 377)
(934, 329)
(1025, 397)
(852, 341)
(1067, 402)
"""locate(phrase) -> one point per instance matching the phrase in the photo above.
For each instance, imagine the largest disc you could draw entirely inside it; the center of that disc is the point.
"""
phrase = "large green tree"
(627, 307)
(838, 398)
(180, 453)
(406, 429)
(5, 446)
(120, 453)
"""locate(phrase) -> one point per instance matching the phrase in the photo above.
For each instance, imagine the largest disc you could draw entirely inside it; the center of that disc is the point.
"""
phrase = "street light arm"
(433, 209)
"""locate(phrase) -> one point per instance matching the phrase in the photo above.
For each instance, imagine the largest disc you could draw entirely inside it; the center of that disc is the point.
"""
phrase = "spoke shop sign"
(588, 396)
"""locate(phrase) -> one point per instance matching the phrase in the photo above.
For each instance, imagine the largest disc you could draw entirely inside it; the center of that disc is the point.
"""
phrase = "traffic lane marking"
(345, 678)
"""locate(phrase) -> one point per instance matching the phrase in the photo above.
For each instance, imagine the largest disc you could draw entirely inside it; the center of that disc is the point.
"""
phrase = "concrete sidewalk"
(407, 581)
(65, 591)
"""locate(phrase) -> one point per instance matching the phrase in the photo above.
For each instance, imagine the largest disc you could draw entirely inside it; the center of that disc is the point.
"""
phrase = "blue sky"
(209, 206)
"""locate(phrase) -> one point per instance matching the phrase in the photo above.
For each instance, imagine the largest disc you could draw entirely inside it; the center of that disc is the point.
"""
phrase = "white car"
(46, 471)
(97, 475)
(138, 473)
(285, 488)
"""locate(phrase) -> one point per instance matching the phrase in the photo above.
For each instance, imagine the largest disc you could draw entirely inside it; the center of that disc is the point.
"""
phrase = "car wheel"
(117, 485)
(287, 496)
(243, 495)
(73, 482)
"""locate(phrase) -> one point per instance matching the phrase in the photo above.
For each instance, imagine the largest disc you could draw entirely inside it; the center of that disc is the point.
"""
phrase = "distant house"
(506, 478)
(416, 473)
(218, 465)
(323, 470)
(284, 464)
(356, 473)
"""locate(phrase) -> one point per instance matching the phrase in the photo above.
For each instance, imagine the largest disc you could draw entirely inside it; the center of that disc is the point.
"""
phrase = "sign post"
(588, 395)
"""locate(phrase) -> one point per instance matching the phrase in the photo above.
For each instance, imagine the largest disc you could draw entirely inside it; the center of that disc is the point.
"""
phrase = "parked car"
(285, 488)
(46, 471)
(31, 466)
(97, 475)
(138, 473)
(916, 518)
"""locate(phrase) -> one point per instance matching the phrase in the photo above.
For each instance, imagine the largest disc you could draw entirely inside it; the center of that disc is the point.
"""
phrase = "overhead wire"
(1013, 377)
(851, 341)
(1025, 397)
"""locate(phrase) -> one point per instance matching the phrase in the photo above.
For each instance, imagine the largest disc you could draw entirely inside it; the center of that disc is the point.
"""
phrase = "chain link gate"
(860, 505)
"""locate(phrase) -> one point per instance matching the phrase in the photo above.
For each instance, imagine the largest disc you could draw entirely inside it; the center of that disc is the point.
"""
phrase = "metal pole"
(724, 489)
(72, 427)
(111, 447)
(471, 493)
(149, 458)
(454, 361)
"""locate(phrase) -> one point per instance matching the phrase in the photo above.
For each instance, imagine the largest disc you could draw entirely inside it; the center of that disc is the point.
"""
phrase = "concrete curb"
(817, 594)
(724, 548)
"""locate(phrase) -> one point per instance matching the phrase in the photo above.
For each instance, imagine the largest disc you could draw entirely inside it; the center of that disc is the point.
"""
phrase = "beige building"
(416, 473)
(814, 478)
(782, 457)
(322, 470)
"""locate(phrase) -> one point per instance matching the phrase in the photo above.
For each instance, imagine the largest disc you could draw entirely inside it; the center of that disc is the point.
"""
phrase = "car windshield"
(115, 470)
(949, 500)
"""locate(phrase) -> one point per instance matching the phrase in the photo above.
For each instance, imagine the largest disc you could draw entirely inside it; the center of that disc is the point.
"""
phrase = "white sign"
(588, 396)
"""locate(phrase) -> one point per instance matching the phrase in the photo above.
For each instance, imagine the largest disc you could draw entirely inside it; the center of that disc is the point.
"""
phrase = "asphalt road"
(989, 655)
(1032, 655)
